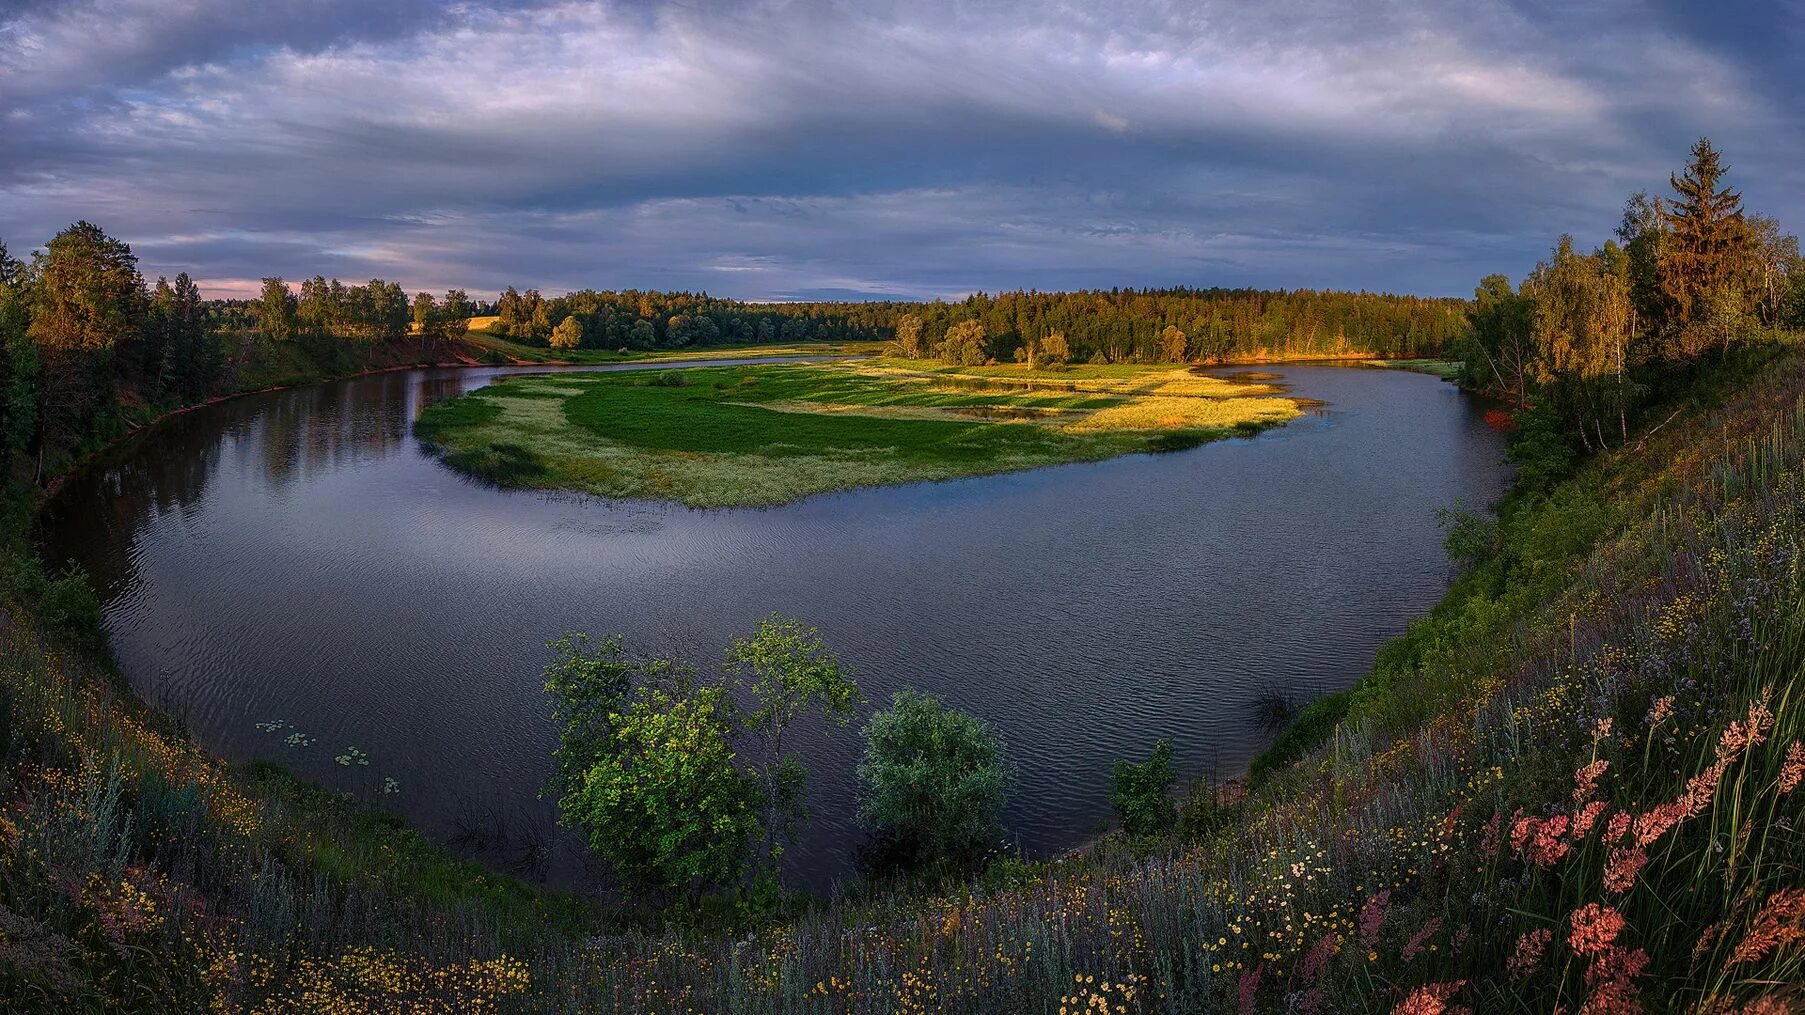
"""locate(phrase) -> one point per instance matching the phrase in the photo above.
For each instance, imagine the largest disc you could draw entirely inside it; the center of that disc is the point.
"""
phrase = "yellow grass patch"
(1165, 413)
(1119, 380)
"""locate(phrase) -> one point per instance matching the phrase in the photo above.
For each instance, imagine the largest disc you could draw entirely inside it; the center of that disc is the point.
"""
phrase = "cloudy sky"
(913, 148)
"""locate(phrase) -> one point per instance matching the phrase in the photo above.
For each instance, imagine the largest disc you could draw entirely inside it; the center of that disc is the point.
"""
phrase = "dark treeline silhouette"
(1115, 325)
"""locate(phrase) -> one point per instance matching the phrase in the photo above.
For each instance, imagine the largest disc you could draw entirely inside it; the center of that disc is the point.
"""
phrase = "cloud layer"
(793, 149)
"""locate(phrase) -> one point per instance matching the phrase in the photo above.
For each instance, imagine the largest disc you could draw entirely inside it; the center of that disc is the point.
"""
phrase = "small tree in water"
(789, 672)
(1143, 793)
(935, 780)
(650, 774)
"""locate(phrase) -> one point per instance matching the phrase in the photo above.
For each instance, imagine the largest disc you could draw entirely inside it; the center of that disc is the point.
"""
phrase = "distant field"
(768, 434)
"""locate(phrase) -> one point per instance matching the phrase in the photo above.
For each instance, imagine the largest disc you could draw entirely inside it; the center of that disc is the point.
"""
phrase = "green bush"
(935, 779)
(70, 605)
(1542, 450)
(1143, 793)
(1470, 538)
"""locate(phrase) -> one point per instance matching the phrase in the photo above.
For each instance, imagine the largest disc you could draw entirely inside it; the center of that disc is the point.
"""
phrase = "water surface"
(297, 557)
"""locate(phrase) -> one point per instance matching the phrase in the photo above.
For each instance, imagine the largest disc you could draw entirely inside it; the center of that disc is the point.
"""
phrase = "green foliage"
(648, 772)
(568, 334)
(1142, 797)
(935, 779)
(1470, 538)
(276, 310)
(671, 379)
(667, 802)
(69, 604)
(18, 367)
(1312, 726)
(789, 672)
(646, 764)
(964, 344)
(1542, 450)
(588, 686)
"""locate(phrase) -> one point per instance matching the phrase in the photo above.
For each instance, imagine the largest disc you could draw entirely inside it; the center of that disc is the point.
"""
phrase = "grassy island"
(772, 433)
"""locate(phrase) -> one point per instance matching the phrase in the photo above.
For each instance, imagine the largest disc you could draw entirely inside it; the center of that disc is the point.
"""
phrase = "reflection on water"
(295, 556)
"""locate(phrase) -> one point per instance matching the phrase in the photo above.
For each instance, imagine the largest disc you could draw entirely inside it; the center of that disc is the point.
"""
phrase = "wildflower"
(1318, 958)
(1528, 953)
(1586, 817)
(1602, 728)
(1594, 928)
(1414, 946)
(1781, 922)
(1539, 840)
(1660, 711)
(1611, 977)
(1585, 780)
(1488, 844)
(1429, 999)
(1618, 827)
(1794, 768)
(1249, 990)
(1739, 736)
(1372, 915)
(1623, 866)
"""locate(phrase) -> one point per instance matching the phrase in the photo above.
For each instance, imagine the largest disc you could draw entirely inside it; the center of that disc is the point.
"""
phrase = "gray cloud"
(791, 148)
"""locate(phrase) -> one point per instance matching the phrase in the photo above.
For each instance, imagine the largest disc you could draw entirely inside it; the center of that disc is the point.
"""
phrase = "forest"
(1589, 337)
(1100, 326)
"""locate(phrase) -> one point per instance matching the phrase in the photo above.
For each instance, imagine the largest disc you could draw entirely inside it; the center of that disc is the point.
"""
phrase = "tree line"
(1115, 325)
(81, 334)
(86, 342)
(1588, 337)
(376, 312)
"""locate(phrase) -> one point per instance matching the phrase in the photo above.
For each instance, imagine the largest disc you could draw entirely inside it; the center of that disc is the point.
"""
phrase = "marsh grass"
(774, 433)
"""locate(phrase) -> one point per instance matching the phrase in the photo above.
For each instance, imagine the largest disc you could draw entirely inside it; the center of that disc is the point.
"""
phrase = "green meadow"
(771, 433)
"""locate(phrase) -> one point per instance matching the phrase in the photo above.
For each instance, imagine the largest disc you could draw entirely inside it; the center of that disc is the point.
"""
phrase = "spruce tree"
(1702, 255)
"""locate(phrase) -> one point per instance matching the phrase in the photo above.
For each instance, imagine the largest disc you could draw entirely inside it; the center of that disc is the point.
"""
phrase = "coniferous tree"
(1704, 253)
(191, 357)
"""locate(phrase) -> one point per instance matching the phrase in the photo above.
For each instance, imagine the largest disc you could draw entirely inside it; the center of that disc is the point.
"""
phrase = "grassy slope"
(137, 873)
(770, 434)
(1660, 590)
(1600, 724)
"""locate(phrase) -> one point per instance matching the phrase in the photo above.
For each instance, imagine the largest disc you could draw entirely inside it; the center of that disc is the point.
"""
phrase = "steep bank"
(1633, 614)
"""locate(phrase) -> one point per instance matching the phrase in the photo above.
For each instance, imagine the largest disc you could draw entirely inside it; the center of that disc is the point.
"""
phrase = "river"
(295, 557)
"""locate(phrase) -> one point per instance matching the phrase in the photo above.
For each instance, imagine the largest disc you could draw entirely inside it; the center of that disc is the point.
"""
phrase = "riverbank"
(768, 435)
(1627, 612)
